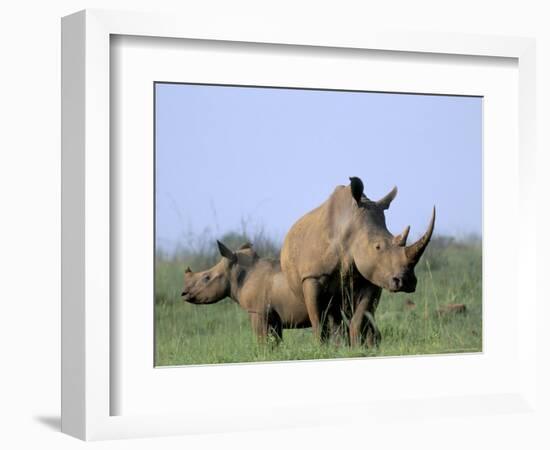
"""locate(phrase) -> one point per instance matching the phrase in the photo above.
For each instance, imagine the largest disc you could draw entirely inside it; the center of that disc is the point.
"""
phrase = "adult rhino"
(343, 249)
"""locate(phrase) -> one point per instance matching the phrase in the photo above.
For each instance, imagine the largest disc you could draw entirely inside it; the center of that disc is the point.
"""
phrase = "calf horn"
(414, 251)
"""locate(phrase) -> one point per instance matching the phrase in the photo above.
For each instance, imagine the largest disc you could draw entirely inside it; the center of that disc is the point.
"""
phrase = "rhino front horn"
(415, 251)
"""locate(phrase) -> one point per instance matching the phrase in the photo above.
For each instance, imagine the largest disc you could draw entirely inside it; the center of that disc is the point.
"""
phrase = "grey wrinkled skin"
(344, 246)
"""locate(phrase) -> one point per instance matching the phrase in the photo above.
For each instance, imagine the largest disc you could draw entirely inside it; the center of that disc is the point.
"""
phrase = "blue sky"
(264, 157)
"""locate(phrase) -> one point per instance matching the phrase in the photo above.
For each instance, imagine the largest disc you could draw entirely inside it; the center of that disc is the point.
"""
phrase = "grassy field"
(449, 272)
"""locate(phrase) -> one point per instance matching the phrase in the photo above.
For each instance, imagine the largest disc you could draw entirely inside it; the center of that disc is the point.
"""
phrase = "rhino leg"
(357, 323)
(267, 325)
(373, 336)
(274, 326)
(363, 329)
(313, 289)
(336, 329)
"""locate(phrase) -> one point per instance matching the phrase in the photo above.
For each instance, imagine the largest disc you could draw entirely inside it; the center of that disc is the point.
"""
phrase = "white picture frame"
(87, 385)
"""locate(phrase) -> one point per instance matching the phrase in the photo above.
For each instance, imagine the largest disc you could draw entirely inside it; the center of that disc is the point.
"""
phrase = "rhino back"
(265, 284)
(254, 285)
(314, 245)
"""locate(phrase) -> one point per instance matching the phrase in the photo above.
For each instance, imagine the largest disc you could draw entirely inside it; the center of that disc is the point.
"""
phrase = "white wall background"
(29, 226)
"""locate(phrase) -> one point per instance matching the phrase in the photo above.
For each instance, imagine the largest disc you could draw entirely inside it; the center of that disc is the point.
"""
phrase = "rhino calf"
(256, 284)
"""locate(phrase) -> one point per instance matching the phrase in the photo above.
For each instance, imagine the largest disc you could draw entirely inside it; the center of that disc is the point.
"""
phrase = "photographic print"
(299, 224)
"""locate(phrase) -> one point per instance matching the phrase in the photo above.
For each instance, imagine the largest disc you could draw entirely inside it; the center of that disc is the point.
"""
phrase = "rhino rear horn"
(401, 239)
(415, 251)
(357, 188)
(385, 201)
(245, 246)
(226, 253)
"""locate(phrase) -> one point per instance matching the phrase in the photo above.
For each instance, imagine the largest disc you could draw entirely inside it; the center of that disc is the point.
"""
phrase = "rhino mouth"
(402, 284)
(187, 297)
(192, 300)
(407, 289)
(196, 298)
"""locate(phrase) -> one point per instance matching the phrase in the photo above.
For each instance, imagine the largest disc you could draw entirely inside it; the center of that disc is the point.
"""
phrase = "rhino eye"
(377, 246)
(206, 278)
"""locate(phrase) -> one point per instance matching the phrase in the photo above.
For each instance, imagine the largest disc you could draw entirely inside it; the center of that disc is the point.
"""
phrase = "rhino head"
(380, 257)
(214, 284)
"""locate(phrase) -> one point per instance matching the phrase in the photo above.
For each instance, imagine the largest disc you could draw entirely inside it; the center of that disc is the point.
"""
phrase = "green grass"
(221, 333)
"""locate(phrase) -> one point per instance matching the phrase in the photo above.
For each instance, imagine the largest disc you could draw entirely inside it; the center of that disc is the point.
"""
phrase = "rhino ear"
(226, 253)
(245, 246)
(385, 201)
(188, 270)
(357, 188)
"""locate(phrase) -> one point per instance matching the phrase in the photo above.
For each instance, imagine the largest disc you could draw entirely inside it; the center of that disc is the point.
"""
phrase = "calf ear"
(188, 270)
(226, 253)
(357, 187)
